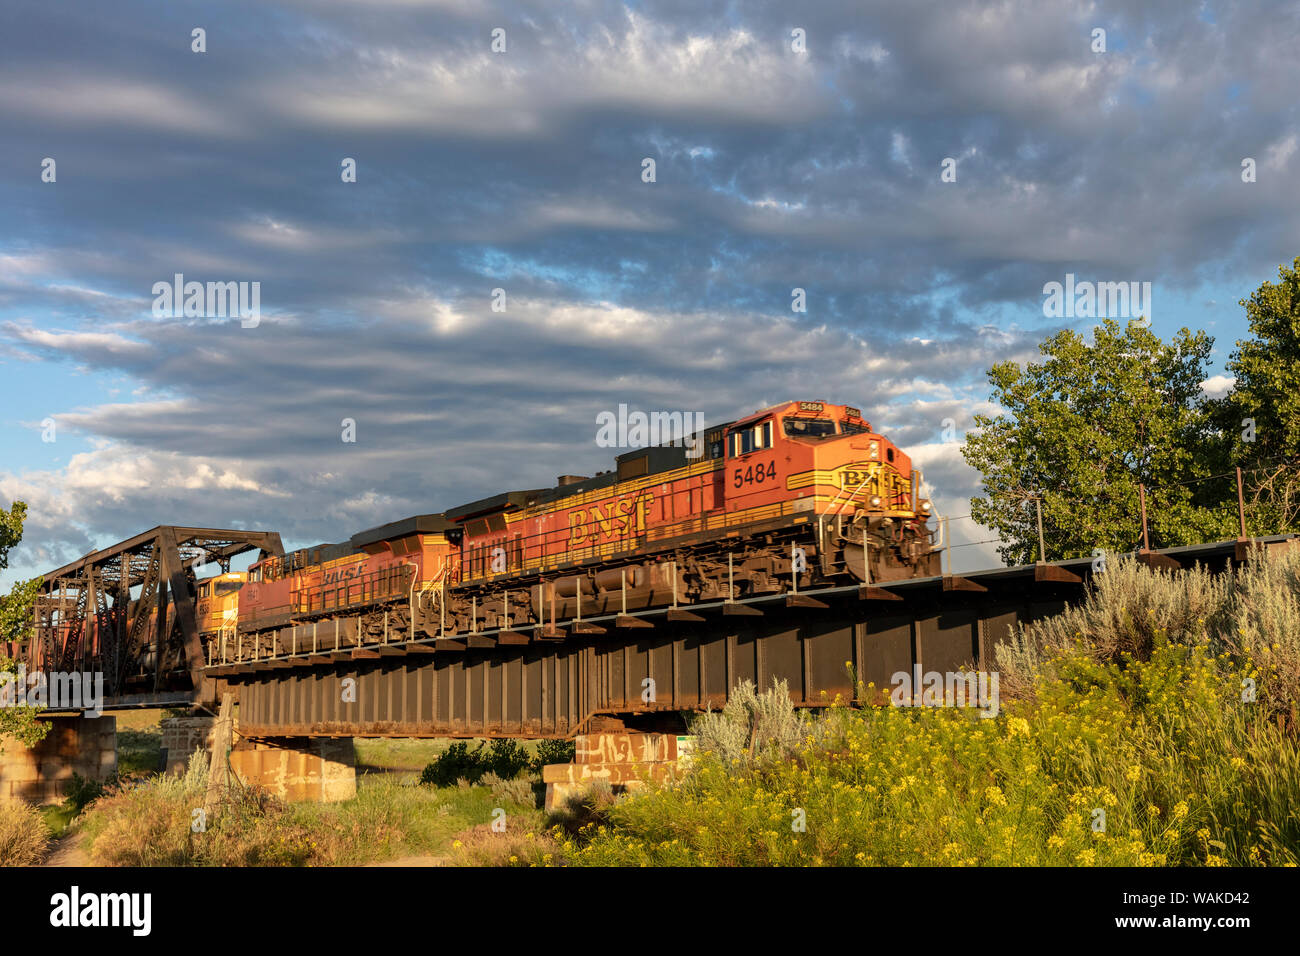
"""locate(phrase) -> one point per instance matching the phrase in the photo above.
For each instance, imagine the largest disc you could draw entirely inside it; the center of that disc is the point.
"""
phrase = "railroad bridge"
(302, 701)
(643, 669)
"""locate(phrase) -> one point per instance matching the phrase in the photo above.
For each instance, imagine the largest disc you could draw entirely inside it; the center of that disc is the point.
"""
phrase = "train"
(796, 496)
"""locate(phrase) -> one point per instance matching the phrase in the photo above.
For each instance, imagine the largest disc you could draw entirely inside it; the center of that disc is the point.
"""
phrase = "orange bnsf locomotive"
(801, 494)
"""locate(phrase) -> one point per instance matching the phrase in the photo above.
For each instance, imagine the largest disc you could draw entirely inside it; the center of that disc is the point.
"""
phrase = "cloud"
(438, 420)
(775, 170)
(1216, 386)
(630, 62)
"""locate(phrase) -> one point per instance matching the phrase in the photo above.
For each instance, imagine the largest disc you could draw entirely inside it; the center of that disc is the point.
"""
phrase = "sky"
(920, 170)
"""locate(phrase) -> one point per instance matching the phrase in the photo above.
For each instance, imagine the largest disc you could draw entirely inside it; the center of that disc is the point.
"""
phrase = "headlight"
(874, 501)
(924, 506)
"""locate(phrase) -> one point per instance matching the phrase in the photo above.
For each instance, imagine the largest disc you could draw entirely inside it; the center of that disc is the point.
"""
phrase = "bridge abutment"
(303, 769)
(181, 736)
(74, 745)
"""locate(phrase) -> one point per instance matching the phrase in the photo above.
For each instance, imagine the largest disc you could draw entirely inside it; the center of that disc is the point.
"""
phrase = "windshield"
(848, 428)
(808, 428)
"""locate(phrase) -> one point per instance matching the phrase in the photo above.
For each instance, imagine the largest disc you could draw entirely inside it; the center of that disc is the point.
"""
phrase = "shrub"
(453, 764)
(1263, 625)
(1252, 614)
(752, 725)
(1130, 743)
(552, 751)
(1129, 609)
(81, 792)
(24, 838)
(505, 758)
(518, 790)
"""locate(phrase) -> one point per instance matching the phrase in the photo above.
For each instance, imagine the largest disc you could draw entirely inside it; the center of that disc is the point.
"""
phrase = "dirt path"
(69, 851)
(426, 860)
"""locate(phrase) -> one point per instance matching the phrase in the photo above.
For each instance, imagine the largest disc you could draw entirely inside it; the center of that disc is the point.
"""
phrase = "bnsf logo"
(614, 520)
(341, 575)
(852, 479)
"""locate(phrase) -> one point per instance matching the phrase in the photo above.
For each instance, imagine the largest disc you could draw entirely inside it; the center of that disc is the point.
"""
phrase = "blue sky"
(776, 169)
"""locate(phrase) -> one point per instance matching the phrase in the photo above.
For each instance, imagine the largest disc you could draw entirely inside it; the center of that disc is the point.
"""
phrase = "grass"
(138, 751)
(58, 817)
(140, 719)
(149, 824)
(24, 837)
(146, 820)
(139, 741)
(410, 753)
(397, 754)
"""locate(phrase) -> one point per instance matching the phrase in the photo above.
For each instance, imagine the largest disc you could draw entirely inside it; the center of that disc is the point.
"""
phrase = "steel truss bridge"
(128, 612)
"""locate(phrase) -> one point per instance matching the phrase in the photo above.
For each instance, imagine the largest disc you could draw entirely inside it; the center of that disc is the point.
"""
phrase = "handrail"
(850, 497)
(382, 583)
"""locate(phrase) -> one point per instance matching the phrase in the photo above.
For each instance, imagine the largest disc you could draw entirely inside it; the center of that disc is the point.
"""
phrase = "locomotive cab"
(860, 486)
(753, 471)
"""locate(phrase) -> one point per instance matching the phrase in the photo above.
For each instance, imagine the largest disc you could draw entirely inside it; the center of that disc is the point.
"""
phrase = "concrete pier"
(80, 745)
(181, 736)
(299, 769)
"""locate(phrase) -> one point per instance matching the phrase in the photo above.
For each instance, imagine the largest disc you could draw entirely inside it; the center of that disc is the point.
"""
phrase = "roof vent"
(569, 480)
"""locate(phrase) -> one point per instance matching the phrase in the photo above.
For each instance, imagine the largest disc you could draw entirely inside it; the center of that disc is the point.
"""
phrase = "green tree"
(1083, 428)
(1261, 414)
(15, 627)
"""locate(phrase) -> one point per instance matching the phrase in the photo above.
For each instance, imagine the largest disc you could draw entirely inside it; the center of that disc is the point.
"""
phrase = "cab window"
(851, 428)
(751, 439)
(808, 427)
